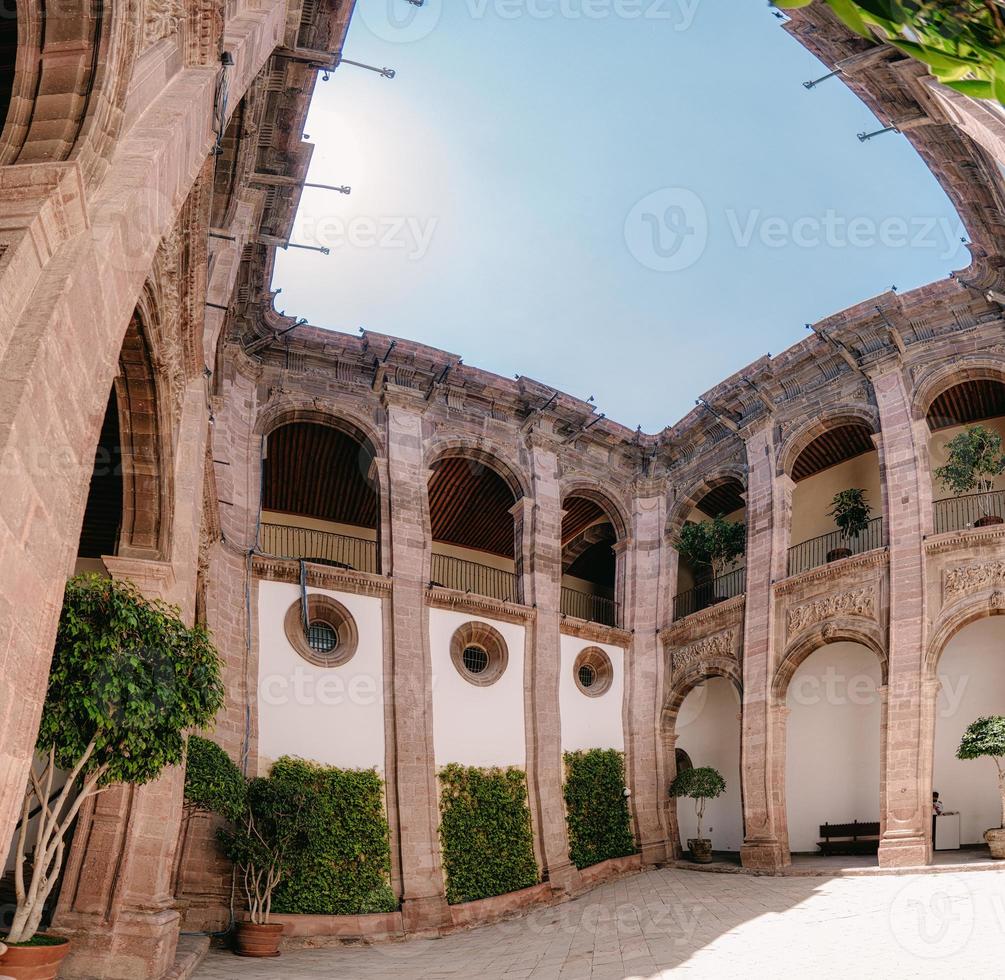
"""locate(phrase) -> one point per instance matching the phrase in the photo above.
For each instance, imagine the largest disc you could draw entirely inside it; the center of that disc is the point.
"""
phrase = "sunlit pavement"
(701, 925)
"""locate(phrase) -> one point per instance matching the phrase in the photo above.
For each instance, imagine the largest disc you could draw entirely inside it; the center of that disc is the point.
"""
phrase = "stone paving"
(690, 924)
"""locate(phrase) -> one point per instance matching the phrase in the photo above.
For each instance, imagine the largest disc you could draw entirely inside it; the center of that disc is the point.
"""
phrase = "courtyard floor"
(699, 925)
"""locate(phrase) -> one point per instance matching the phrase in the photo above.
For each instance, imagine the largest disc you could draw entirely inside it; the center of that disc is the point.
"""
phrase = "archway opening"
(708, 734)
(957, 410)
(589, 563)
(8, 55)
(700, 581)
(971, 673)
(826, 473)
(834, 752)
(473, 529)
(99, 533)
(319, 497)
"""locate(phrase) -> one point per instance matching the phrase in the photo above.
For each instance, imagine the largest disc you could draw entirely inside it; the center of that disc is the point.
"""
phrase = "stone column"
(643, 677)
(542, 588)
(423, 901)
(905, 839)
(668, 805)
(767, 540)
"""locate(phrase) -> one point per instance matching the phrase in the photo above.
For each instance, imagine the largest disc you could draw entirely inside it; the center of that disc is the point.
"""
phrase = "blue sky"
(630, 199)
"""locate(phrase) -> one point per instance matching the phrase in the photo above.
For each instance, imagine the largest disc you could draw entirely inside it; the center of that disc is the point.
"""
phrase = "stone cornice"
(321, 576)
(957, 540)
(478, 605)
(868, 559)
(689, 627)
(595, 632)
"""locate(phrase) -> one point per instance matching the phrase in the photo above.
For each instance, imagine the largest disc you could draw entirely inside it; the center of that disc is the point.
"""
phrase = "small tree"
(974, 460)
(850, 511)
(264, 843)
(986, 738)
(127, 679)
(701, 784)
(713, 544)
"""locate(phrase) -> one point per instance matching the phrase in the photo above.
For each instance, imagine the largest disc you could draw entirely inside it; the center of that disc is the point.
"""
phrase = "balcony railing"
(959, 513)
(813, 553)
(323, 547)
(707, 594)
(592, 608)
(469, 576)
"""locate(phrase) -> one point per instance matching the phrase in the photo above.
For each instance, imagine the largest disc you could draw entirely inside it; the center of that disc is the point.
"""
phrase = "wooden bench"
(849, 838)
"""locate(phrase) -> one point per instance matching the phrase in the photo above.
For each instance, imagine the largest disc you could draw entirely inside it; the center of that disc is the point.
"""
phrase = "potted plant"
(701, 784)
(850, 511)
(713, 545)
(985, 738)
(263, 845)
(128, 678)
(974, 460)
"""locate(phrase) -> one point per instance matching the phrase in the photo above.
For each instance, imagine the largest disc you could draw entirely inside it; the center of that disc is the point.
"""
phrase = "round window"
(593, 672)
(322, 637)
(475, 659)
(479, 653)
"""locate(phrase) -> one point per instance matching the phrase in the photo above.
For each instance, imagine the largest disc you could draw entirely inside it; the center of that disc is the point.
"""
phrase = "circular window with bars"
(479, 653)
(330, 638)
(593, 672)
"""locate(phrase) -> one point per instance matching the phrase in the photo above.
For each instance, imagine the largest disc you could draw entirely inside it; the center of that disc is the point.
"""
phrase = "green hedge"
(213, 781)
(343, 863)
(485, 830)
(596, 809)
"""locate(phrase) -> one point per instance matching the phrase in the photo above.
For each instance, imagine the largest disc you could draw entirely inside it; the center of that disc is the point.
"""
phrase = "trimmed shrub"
(485, 830)
(341, 864)
(213, 781)
(600, 827)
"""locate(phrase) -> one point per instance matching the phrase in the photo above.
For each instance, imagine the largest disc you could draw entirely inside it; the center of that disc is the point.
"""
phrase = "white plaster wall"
(591, 723)
(476, 726)
(708, 729)
(833, 745)
(331, 715)
(972, 672)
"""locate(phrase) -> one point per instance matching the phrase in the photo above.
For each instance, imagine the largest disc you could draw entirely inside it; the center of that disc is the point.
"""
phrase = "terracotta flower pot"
(701, 850)
(996, 841)
(258, 941)
(836, 554)
(987, 520)
(34, 962)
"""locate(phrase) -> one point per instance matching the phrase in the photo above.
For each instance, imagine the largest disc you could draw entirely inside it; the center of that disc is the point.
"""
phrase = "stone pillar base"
(564, 879)
(655, 852)
(765, 856)
(137, 946)
(425, 916)
(908, 852)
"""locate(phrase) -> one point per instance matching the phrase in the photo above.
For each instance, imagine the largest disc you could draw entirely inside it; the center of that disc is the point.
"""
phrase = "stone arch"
(696, 492)
(80, 56)
(690, 679)
(808, 432)
(345, 421)
(832, 631)
(144, 432)
(487, 453)
(613, 508)
(976, 367)
(955, 622)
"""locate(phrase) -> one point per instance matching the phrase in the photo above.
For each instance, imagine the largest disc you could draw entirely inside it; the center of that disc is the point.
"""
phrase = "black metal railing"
(468, 576)
(592, 608)
(959, 513)
(708, 593)
(813, 553)
(323, 547)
